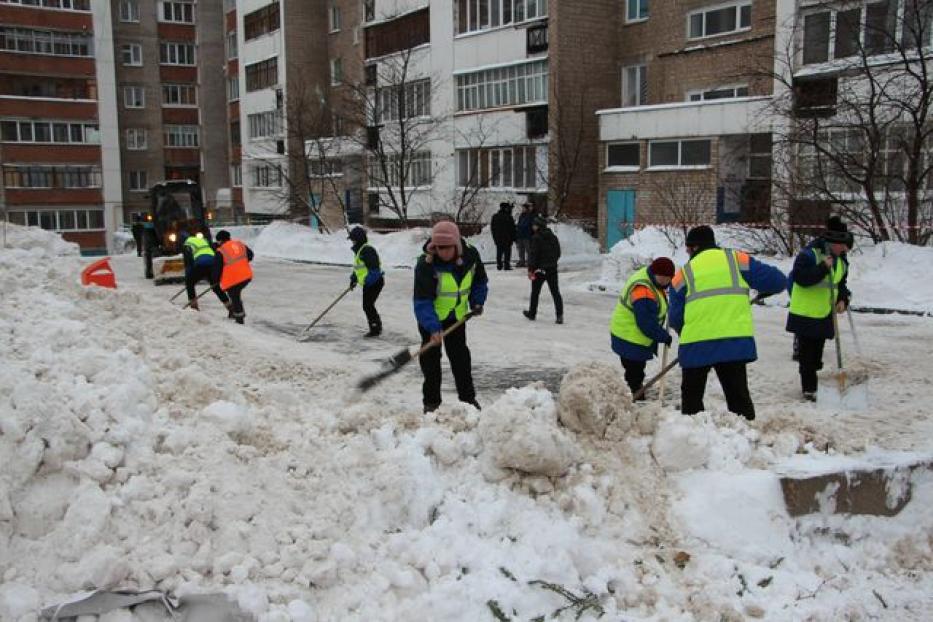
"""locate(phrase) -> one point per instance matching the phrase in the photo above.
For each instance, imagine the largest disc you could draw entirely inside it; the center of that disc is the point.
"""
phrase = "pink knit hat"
(444, 233)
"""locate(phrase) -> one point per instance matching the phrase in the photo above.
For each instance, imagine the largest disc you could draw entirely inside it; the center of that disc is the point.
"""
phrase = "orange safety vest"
(236, 264)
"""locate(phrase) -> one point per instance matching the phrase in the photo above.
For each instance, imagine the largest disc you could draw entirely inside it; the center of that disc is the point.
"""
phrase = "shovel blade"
(843, 392)
(393, 364)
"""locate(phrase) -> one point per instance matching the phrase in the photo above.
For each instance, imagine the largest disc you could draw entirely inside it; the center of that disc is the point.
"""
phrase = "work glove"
(353, 281)
(531, 275)
(477, 309)
(841, 306)
(668, 340)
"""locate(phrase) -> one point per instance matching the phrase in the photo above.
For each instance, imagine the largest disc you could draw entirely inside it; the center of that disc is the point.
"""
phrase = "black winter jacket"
(545, 250)
(503, 227)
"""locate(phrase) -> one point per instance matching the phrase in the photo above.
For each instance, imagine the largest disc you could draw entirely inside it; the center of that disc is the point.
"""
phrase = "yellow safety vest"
(817, 301)
(623, 324)
(717, 305)
(359, 268)
(199, 246)
(451, 296)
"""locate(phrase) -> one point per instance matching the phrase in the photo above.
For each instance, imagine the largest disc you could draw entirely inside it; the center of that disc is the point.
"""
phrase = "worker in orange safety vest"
(237, 272)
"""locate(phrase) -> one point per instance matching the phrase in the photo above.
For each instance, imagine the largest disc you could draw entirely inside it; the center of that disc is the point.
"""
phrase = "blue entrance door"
(620, 215)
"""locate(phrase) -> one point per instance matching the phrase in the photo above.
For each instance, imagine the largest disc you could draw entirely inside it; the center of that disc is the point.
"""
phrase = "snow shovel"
(849, 391)
(302, 336)
(656, 378)
(198, 297)
(858, 346)
(667, 348)
(403, 357)
(180, 292)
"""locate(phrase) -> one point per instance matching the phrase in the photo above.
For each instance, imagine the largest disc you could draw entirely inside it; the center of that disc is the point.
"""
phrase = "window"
(132, 54)
(233, 88)
(134, 97)
(261, 21)
(759, 156)
(262, 75)
(236, 175)
(369, 10)
(57, 176)
(181, 135)
(64, 132)
(176, 53)
(726, 92)
(179, 95)
(872, 26)
(326, 167)
(475, 15)
(627, 155)
(336, 71)
(67, 5)
(267, 176)
(917, 25)
(880, 26)
(847, 33)
(232, 50)
(235, 133)
(719, 21)
(679, 153)
(390, 105)
(136, 139)
(517, 167)
(634, 86)
(180, 11)
(264, 124)
(334, 17)
(414, 171)
(129, 10)
(60, 219)
(636, 10)
(511, 85)
(816, 37)
(18, 85)
(46, 42)
(139, 181)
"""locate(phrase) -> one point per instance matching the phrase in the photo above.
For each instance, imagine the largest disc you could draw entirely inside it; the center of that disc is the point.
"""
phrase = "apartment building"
(59, 145)
(171, 97)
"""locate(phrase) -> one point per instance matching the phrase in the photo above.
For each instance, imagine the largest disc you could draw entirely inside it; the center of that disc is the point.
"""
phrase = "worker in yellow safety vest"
(201, 263)
(367, 272)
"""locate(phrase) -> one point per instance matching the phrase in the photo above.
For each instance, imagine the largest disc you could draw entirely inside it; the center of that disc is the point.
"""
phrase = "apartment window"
(176, 53)
(880, 26)
(63, 132)
(515, 167)
(134, 97)
(233, 88)
(415, 170)
(179, 11)
(512, 85)
(181, 135)
(416, 102)
(139, 181)
(60, 219)
(232, 49)
(336, 71)
(261, 21)
(635, 85)
(719, 21)
(129, 10)
(236, 175)
(623, 155)
(474, 15)
(17, 85)
(679, 153)
(831, 34)
(262, 75)
(726, 92)
(369, 10)
(325, 167)
(759, 156)
(917, 26)
(46, 42)
(67, 5)
(334, 17)
(636, 10)
(179, 95)
(267, 176)
(38, 177)
(264, 124)
(136, 139)
(235, 133)
(132, 54)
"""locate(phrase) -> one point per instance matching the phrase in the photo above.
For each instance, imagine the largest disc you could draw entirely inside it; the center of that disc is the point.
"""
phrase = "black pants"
(634, 373)
(199, 272)
(522, 244)
(549, 276)
(810, 361)
(370, 294)
(236, 300)
(503, 256)
(734, 381)
(455, 344)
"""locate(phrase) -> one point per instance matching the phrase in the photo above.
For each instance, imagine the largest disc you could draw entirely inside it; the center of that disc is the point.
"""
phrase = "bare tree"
(566, 126)
(682, 201)
(856, 134)
(470, 200)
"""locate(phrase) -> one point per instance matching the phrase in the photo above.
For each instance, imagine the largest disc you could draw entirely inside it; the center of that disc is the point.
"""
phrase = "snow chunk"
(229, 417)
(592, 396)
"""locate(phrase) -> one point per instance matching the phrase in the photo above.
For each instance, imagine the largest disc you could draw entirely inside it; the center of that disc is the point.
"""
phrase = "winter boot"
(374, 331)
(559, 320)
(474, 404)
(430, 408)
(230, 314)
(193, 303)
(239, 317)
(809, 396)
(528, 315)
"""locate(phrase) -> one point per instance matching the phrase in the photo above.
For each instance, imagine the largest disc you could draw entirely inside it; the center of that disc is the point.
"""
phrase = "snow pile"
(39, 242)
(577, 247)
(892, 275)
(593, 396)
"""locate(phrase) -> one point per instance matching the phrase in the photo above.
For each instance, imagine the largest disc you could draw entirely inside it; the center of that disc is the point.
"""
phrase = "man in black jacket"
(367, 271)
(542, 267)
(503, 234)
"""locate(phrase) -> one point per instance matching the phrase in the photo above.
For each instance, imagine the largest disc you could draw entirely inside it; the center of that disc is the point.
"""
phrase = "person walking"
(542, 268)
(236, 272)
(637, 325)
(503, 235)
(201, 263)
(711, 311)
(523, 234)
(450, 281)
(818, 288)
(367, 271)
(137, 230)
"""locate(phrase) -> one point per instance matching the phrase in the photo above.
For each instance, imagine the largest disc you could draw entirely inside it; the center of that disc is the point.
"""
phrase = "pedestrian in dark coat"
(818, 287)
(542, 268)
(523, 234)
(503, 235)
(367, 271)
(137, 231)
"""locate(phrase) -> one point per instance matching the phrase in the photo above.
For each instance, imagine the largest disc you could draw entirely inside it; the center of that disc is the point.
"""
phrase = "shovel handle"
(446, 332)
(657, 377)
(324, 312)
(198, 297)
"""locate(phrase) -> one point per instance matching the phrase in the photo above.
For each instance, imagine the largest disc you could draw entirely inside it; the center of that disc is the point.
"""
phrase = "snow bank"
(593, 396)
(39, 241)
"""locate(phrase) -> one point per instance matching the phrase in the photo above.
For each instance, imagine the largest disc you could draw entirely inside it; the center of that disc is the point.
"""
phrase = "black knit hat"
(836, 231)
(540, 222)
(357, 234)
(222, 236)
(701, 236)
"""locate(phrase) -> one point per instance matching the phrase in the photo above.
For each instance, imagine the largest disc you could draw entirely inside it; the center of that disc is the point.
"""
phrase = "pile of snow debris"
(135, 456)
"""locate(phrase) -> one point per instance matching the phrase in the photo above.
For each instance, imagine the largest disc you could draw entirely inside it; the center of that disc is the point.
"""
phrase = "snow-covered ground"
(143, 446)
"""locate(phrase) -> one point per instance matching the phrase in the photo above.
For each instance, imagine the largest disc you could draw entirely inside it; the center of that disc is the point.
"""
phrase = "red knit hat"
(662, 266)
(444, 233)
